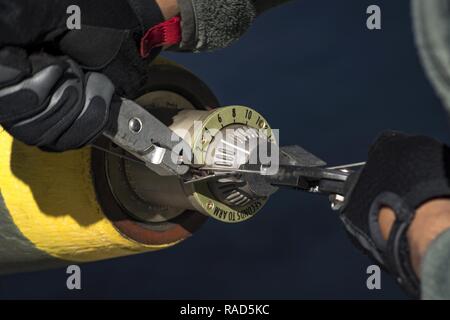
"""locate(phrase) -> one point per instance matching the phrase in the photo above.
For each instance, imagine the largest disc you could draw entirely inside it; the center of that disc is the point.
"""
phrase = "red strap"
(166, 33)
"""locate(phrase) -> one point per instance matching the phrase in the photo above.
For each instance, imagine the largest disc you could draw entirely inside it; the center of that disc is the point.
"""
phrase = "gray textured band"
(216, 24)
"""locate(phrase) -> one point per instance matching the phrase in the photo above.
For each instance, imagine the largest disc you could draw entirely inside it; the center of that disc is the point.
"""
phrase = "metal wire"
(122, 156)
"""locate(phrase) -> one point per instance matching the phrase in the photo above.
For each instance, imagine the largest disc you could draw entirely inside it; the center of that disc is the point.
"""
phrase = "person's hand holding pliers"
(58, 86)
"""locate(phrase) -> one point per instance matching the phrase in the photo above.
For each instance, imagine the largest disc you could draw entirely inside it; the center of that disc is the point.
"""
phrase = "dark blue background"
(315, 71)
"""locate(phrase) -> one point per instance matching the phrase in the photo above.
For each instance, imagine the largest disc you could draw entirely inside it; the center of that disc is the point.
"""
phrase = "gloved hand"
(213, 24)
(106, 37)
(109, 41)
(50, 102)
(402, 173)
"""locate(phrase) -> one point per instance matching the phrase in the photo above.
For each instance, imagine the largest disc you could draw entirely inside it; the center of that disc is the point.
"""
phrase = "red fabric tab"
(166, 33)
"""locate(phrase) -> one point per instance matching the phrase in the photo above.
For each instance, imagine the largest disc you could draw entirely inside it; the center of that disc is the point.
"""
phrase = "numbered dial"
(223, 142)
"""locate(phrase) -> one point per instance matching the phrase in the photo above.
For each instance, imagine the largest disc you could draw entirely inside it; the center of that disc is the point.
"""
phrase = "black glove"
(49, 102)
(112, 45)
(402, 173)
(107, 42)
(213, 24)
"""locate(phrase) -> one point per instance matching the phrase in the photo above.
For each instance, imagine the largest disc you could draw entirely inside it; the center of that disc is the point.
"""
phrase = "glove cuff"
(188, 25)
(395, 251)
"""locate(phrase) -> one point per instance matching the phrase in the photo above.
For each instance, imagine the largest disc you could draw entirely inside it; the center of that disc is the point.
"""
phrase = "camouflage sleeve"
(436, 269)
(431, 26)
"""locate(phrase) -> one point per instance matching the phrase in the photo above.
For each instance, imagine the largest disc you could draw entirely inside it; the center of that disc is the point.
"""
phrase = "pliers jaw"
(301, 170)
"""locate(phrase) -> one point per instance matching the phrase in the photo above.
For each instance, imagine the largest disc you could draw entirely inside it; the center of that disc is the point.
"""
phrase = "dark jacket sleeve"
(108, 41)
(50, 95)
(28, 23)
